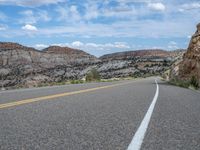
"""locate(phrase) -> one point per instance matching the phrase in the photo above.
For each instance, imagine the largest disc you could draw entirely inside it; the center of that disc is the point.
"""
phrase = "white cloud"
(3, 27)
(121, 45)
(30, 3)
(90, 47)
(172, 45)
(30, 17)
(95, 46)
(92, 11)
(68, 14)
(74, 13)
(62, 12)
(43, 15)
(29, 27)
(119, 12)
(41, 46)
(99, 49)
(157, 6)
(77, 44)
(128, 28)
(125, 9)
(189, 6)
(103, 9)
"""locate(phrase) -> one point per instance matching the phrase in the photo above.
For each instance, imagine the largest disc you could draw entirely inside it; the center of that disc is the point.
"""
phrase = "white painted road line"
(137, 140)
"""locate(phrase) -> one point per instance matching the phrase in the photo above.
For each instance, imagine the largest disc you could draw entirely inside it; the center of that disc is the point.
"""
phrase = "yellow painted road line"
(51, 97)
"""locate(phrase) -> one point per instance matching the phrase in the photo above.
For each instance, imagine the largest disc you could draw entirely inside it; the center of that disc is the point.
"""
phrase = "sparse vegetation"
(93, 75)
(181, 83)
(194, 82)
(77, 82)
(51, 84)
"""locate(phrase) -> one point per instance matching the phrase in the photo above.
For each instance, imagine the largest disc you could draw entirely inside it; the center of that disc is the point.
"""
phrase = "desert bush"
(194, 82)
(93, 75)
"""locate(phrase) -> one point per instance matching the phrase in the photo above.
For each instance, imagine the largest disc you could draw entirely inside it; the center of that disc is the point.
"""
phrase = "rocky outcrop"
(20, 65)
(26, 66)
(189, 66)
(138, 63)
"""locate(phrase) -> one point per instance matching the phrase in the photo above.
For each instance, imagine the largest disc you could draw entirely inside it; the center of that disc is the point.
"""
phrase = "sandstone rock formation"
(189, 66)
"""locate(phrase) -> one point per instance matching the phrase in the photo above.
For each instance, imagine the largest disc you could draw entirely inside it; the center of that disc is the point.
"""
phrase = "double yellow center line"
(52, 97)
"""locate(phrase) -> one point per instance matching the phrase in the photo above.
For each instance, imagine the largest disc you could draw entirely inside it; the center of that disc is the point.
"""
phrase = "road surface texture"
(100, 116)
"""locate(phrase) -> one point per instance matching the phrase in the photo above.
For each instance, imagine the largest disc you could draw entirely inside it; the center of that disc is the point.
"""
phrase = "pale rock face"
(20, 65)
(25, 66)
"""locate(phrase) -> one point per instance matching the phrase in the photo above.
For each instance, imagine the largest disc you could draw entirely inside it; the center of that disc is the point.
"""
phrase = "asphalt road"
(100, 116)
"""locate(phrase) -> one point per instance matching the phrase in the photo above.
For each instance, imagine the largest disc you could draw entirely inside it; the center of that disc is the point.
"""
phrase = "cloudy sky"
(100, 26)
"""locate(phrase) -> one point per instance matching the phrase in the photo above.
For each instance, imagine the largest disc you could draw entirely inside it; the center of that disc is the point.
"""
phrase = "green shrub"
(72, 82)
(93, 75)
(194, 82)
(76, 81)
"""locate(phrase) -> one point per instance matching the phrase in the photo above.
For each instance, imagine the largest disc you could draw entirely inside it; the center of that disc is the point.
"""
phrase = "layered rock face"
(25, 66)
(20, 65)
(138, 63)
(190, 64)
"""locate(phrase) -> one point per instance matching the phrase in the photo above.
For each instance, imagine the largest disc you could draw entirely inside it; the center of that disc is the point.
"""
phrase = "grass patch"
(77, 82)
(51, 84)
(184, 84)
(192, 83)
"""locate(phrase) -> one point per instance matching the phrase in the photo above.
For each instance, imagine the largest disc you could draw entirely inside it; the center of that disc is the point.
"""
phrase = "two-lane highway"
(100, 116)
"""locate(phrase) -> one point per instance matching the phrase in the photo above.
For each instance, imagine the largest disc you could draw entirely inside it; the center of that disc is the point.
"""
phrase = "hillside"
(138, 63)
(21, 65)
(26, 66)
(148, 53)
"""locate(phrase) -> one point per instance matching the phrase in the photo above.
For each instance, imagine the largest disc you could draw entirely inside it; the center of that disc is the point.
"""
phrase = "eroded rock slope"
(26, 66)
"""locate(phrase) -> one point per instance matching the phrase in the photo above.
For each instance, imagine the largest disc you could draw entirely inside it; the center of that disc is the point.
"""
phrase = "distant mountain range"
(26, 66)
